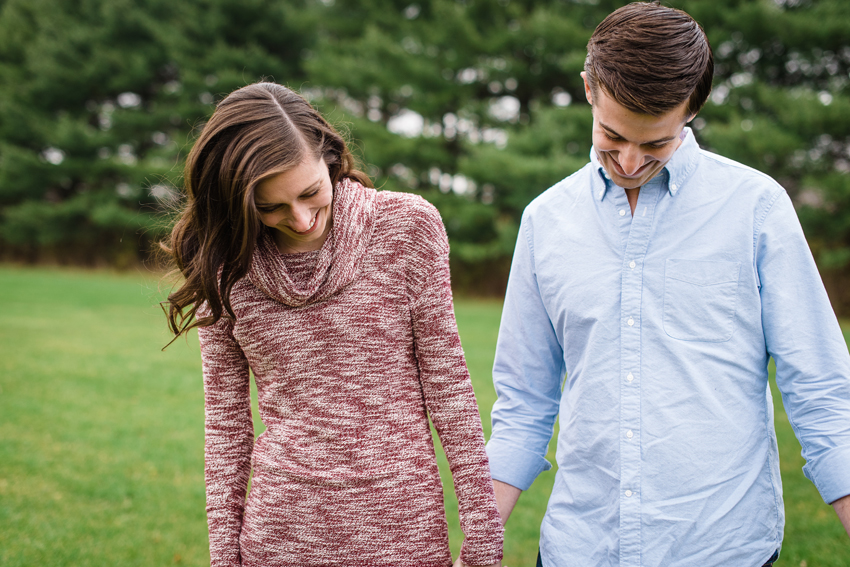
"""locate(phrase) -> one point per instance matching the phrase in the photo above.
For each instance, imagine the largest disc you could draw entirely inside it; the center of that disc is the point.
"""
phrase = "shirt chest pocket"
(700, 299)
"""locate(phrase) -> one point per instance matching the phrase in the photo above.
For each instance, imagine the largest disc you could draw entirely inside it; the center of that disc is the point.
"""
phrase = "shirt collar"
(678, 170)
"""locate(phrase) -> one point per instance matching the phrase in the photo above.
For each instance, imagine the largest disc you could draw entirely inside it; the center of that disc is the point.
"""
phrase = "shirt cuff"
(830, 473)
(514, 465)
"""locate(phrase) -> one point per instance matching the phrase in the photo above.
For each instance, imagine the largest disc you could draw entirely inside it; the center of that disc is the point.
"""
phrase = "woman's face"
(297, 204)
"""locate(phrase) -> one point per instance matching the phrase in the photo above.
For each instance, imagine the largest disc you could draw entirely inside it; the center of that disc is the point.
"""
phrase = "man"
(647, 292)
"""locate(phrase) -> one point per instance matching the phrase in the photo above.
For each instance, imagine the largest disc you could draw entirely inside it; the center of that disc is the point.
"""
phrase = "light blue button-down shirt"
(650, 337)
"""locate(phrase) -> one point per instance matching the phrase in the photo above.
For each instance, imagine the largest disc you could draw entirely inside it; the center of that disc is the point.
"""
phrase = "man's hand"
(506, 498)
(842, 508)
(460, 563)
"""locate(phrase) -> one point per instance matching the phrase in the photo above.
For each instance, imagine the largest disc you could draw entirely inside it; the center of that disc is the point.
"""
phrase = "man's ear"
(587, 94)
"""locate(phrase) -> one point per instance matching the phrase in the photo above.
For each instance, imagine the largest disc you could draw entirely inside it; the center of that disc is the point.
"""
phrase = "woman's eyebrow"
(306, 190)
(311, 187)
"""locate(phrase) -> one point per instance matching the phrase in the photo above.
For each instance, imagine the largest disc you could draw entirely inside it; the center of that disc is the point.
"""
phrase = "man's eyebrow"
(652, 143)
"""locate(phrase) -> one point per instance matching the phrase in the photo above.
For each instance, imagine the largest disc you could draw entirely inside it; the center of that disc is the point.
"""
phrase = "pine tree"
(475, 104)
(99, 101)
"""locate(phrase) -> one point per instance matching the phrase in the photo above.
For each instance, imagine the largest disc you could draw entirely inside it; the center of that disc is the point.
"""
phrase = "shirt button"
(622, 212)
(629, 434)
(632, 264)
(674, 187)
(630, 377)
(631, 322)
(628, 494)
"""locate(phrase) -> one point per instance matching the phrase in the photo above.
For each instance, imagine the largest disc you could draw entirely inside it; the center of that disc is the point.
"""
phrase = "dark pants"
(770, 561)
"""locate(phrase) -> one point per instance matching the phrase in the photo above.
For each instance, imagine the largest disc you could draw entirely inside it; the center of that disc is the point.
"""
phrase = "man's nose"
(631, 160)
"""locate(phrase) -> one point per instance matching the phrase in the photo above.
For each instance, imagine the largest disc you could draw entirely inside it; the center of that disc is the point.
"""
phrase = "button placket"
(630, 360)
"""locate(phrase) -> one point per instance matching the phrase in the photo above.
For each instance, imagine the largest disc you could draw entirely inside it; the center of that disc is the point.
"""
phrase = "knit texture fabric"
(352, 349)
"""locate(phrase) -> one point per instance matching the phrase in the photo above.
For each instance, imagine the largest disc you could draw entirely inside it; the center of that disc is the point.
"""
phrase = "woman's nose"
(301, 218)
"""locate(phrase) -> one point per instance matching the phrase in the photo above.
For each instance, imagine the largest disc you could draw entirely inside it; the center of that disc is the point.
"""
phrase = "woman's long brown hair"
(256, 132)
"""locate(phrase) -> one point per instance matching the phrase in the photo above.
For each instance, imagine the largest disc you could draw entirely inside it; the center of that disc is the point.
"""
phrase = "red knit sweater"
(352, 349)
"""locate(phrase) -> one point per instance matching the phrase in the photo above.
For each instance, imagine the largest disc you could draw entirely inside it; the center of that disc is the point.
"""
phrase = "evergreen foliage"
(475, 104)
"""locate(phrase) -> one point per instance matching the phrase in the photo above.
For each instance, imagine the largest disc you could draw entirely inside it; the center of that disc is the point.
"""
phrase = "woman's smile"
(310, 229)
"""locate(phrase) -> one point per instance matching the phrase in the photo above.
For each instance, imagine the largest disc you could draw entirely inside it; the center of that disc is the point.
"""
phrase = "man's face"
(633, 147)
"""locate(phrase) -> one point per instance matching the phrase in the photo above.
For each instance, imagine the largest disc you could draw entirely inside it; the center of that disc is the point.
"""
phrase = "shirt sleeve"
(803, 337)
(448, 392)
(527, 374)
(229, 439)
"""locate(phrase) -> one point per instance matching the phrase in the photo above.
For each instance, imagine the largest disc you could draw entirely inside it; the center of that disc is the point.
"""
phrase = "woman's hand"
(460, 563)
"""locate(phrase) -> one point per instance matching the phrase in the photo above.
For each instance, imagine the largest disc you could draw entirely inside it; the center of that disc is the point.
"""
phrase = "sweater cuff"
(483, 552)
(514, 465)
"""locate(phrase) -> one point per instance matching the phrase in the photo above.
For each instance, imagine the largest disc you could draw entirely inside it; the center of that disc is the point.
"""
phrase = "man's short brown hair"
(650, 59)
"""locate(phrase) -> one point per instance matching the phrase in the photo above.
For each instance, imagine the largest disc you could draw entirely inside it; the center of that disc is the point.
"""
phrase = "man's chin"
(635, 182)
(628, 182)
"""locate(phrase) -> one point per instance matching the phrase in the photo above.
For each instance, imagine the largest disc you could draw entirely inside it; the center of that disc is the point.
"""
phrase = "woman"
(337, 298)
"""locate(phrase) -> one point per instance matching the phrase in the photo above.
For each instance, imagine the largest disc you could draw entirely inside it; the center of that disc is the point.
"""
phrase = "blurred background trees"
(475, 104)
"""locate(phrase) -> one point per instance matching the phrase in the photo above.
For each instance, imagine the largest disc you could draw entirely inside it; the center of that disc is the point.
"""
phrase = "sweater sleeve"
(448, 392)
(229, 439)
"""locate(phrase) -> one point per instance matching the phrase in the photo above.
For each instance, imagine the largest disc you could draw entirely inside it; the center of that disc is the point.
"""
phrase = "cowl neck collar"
(339, 258)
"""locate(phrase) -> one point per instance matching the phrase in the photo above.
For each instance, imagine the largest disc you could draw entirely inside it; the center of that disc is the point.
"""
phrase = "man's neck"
(632, 196)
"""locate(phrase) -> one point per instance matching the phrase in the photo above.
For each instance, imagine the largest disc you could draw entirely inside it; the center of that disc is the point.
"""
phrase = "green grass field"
(101, 434)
